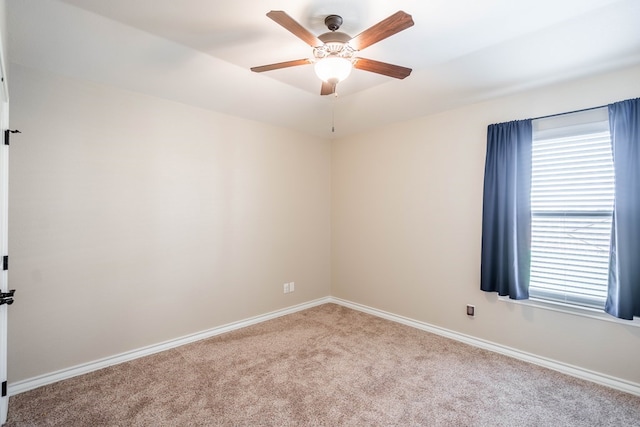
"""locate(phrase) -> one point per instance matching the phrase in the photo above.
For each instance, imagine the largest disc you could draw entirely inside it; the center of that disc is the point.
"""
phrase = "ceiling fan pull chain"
(333, 112)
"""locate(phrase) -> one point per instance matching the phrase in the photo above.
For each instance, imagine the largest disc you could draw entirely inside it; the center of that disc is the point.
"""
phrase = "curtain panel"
(506, 215)
(623, 298)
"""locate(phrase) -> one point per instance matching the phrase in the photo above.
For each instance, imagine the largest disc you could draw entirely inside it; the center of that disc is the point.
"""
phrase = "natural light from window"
(572, 193)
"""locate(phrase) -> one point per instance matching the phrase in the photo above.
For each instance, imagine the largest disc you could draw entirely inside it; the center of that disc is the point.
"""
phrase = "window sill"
(574, 310)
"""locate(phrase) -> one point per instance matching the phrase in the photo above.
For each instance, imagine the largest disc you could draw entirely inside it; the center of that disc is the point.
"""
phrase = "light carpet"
(325, 366)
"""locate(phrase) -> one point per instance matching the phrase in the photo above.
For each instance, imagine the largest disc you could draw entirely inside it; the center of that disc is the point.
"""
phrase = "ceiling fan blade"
(390, 70)
(387, 27)
(327, 88)
(279, 65)
(294, 27)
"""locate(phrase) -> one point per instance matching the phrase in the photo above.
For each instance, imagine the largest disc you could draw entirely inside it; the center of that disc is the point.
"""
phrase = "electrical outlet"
(292, 286)
(286, 288)
(471, 310)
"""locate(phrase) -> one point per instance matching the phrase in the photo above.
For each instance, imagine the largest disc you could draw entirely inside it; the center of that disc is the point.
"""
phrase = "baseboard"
(63, 374)
(574, 371)
(598, 378)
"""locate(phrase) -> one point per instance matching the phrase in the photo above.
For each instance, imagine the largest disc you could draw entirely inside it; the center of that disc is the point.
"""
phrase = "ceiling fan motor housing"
(334, 44)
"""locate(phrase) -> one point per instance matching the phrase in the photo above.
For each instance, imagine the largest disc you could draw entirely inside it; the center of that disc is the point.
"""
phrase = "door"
(4, 207)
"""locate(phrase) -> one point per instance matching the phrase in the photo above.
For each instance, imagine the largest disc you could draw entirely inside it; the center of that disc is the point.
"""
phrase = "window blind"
(572, 193)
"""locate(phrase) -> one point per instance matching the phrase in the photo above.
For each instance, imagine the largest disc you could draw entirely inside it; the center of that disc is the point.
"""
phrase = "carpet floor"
(325, 366)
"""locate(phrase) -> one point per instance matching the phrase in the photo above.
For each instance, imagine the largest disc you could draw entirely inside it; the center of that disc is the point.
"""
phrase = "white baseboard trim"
(63, 374)
(574, 371)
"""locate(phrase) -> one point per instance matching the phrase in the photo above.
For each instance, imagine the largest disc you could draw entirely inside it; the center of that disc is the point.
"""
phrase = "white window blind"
(572, 192)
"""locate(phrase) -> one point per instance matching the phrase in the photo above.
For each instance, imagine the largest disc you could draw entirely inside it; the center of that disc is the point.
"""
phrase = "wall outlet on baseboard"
(292, 286)
(286, 288)
(471, 310)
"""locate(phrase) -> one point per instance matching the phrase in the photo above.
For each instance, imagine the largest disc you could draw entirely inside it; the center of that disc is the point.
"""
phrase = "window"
(572, 193)
(546, 216)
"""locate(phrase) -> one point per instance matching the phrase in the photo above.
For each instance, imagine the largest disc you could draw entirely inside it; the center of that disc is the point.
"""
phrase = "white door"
(4, 207)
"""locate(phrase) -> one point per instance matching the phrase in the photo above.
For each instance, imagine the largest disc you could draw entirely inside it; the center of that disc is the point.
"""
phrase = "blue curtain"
(623, 299)
(506, 215)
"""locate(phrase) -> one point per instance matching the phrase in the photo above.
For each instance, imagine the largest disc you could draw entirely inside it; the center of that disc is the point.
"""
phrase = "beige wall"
(406, 228)
(135, 220)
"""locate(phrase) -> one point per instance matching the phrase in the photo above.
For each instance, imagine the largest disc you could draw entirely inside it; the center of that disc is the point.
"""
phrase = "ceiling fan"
(335, 53)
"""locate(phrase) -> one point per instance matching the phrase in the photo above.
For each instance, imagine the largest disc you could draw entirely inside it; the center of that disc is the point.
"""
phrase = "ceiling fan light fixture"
(334, 52)
(333, 69)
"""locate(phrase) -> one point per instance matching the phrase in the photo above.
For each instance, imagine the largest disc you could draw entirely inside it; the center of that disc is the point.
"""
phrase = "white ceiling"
(199, 52)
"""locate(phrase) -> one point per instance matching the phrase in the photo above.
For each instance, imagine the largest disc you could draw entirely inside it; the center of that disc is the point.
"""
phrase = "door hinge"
(4, 388)
(7, 134)
(7, 297)
(5, 262)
